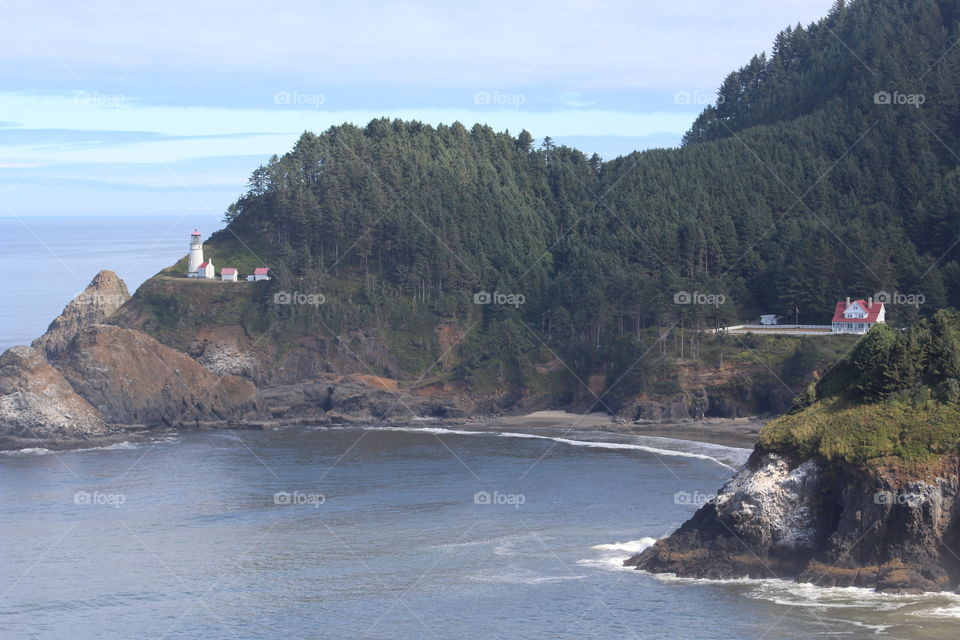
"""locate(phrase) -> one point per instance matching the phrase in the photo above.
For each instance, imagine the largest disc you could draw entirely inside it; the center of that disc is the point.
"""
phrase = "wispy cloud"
(99, 84)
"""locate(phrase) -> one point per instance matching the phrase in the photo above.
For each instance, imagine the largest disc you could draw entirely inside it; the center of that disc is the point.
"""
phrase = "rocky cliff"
(88, 380)
(133, 379)
(856, 486)
(830, 524)
(238, 329)
(36, 401)
(105, 294)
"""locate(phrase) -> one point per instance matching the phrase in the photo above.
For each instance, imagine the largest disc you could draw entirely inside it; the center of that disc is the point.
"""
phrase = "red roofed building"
(857, 316)
(260, 273)
(206, 270)
(228, 274)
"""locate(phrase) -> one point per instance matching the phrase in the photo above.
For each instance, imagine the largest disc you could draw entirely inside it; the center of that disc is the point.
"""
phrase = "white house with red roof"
(206, 270)
(857, 316)
(228, 274)
(260, 273)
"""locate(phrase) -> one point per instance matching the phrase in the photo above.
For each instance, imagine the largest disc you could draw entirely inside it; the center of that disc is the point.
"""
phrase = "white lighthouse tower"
(196, 255)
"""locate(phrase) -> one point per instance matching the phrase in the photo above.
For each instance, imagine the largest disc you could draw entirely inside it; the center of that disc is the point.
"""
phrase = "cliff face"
(105, 294)
(826, 523)
(133, 379)
(37, 402)
(237, 329)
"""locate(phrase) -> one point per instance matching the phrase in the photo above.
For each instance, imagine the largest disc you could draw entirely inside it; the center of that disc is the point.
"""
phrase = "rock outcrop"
(36, 402)
(105, 294)
(226, 359)
(355, 397)
(133, 379)
(826, 523)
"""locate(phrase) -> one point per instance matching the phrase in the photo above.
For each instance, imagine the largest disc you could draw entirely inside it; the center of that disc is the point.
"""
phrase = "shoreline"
(730, 432)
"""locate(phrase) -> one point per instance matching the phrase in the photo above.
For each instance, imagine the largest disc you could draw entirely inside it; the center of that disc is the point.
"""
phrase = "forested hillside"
(827, 168)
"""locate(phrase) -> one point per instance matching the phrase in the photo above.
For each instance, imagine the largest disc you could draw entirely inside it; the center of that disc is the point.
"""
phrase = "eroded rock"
(105, 294)
(830, 524)
(133, 379)
(36, 401)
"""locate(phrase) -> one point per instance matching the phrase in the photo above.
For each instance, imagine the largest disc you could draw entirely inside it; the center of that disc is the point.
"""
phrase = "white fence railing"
(769, 328)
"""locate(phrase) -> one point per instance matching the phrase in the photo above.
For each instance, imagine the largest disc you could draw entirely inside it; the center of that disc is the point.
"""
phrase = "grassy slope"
(909, 430)
(893, 400)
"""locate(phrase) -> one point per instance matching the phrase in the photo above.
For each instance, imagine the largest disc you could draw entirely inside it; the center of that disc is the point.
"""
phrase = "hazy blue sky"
(123, 108)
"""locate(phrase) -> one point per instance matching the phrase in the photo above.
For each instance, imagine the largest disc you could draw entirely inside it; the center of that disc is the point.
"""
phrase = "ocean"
(365, 532)
(384, 533)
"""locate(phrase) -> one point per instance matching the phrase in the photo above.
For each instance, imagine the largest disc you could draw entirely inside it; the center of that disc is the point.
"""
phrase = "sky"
(165, 108)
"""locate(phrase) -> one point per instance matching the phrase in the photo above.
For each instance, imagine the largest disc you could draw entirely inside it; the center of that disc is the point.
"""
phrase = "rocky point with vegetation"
(857, 485)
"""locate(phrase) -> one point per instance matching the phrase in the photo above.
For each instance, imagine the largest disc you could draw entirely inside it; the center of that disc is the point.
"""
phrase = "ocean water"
(47, 261)
(390, 534)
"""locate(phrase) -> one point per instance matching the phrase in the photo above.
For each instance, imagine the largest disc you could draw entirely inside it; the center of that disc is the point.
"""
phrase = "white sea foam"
(499, 541)
(806, 595)
(610, 556)
(794, 594)
(522, 578)
(630, 546)
(634, 447)
(940, 612)
(684, 448)
(116, 446)
(433, 430)
(30, 451)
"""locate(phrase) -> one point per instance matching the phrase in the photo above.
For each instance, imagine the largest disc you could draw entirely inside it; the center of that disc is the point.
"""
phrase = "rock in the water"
(37, 402)
(826, 523)
(105, 294)
(133, 379)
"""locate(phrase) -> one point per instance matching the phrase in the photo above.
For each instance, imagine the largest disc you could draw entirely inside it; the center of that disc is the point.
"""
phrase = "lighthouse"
(196, 255)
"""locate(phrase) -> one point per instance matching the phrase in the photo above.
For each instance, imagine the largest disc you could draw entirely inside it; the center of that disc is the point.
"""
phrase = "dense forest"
(827, 168)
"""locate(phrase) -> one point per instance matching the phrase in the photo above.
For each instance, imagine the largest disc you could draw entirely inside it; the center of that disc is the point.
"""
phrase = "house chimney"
(848, 301)
(870, 302)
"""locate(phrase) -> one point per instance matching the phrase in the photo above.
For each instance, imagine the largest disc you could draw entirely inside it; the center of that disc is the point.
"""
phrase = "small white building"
(857, 316)
(769, 318)
(206, 270)
(228, 274)
(260, 273)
